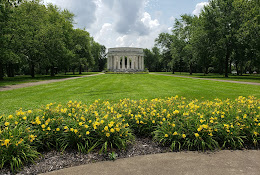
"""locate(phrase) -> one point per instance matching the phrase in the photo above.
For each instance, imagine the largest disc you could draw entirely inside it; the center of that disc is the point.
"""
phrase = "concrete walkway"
(229, 81)
(188, 163)
(17, 86)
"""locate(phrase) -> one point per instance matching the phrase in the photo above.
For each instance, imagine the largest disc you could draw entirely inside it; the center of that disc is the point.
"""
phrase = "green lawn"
(27, 78)
(246, 78)
(115, 87)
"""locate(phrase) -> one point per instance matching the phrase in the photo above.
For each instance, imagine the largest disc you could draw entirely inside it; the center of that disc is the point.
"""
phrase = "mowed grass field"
(114, 87)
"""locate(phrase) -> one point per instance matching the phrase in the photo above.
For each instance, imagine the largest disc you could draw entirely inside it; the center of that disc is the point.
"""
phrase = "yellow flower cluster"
(169, 120)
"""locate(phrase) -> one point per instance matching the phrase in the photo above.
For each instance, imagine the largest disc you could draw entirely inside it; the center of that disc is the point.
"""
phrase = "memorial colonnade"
(125, 59)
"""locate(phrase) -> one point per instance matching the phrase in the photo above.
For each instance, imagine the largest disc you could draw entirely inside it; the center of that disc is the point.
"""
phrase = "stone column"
(130, 66)
(108, 59)
(123, 63)
(128, 63)
(138, 64)
(111, 62)
(135, 62)
(142, 63)
(114, 63)
(132, 62)
(118, 63)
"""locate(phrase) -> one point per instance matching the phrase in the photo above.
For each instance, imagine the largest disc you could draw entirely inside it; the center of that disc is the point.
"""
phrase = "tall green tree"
(164, 41)
(55, 31)
(247, 36)
(29, 23)
(152, 59)
(98, 53)
(7, 8)
(220, 23)
(82, 50)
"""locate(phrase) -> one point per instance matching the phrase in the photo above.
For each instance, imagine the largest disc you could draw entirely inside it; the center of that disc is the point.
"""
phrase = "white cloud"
(137, 29)
(121, 41)
(116, 23)
(84, 10)
(199, 8)
(148, 22)
(172, 19)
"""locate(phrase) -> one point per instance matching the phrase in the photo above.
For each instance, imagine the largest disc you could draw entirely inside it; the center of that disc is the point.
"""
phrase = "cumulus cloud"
(128, 18)
(116, 27)
(116, 23)
(199, 8)
(84, 10)
(172, 19)
(148, 22)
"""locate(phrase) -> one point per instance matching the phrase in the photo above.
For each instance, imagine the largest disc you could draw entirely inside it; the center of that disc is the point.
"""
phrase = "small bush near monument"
(175, 122)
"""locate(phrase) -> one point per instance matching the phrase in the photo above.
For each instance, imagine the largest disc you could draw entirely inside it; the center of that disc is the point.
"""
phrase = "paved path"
(229, 81)
(188, 163)
(17, 86)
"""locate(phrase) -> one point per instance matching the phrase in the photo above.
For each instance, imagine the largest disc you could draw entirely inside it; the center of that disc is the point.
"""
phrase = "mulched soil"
(54, 160)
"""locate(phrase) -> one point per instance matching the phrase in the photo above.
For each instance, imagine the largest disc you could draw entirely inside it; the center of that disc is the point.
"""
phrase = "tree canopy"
(224, 37)
(41, 39)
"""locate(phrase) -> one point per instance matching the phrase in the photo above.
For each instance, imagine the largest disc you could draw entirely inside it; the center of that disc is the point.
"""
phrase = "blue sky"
(128, 23)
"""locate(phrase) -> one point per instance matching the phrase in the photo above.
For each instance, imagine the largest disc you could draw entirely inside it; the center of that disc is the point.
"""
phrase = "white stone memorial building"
(125, 59)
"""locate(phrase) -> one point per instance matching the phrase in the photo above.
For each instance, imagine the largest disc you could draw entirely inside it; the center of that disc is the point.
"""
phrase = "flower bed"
(174, 122)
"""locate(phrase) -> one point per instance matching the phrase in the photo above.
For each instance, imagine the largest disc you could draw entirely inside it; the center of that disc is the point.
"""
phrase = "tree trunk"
(7, 70)
(80, 69)
(52, 71)
(230, 66)
(46, 71)
(32, 70)
(226, 64)
(241, 68)
(10, 70)
(1, 71)
(207, 70)
(73, 70)
(237, 69)
(173, 70)
(190, 67)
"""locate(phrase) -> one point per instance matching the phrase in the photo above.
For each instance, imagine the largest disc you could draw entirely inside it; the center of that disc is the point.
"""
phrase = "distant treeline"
(223, 38)
(35, 38)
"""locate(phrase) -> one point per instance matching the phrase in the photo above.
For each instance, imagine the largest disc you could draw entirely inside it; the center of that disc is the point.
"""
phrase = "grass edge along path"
(228, 81)
(18, 86)
(175, 122)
